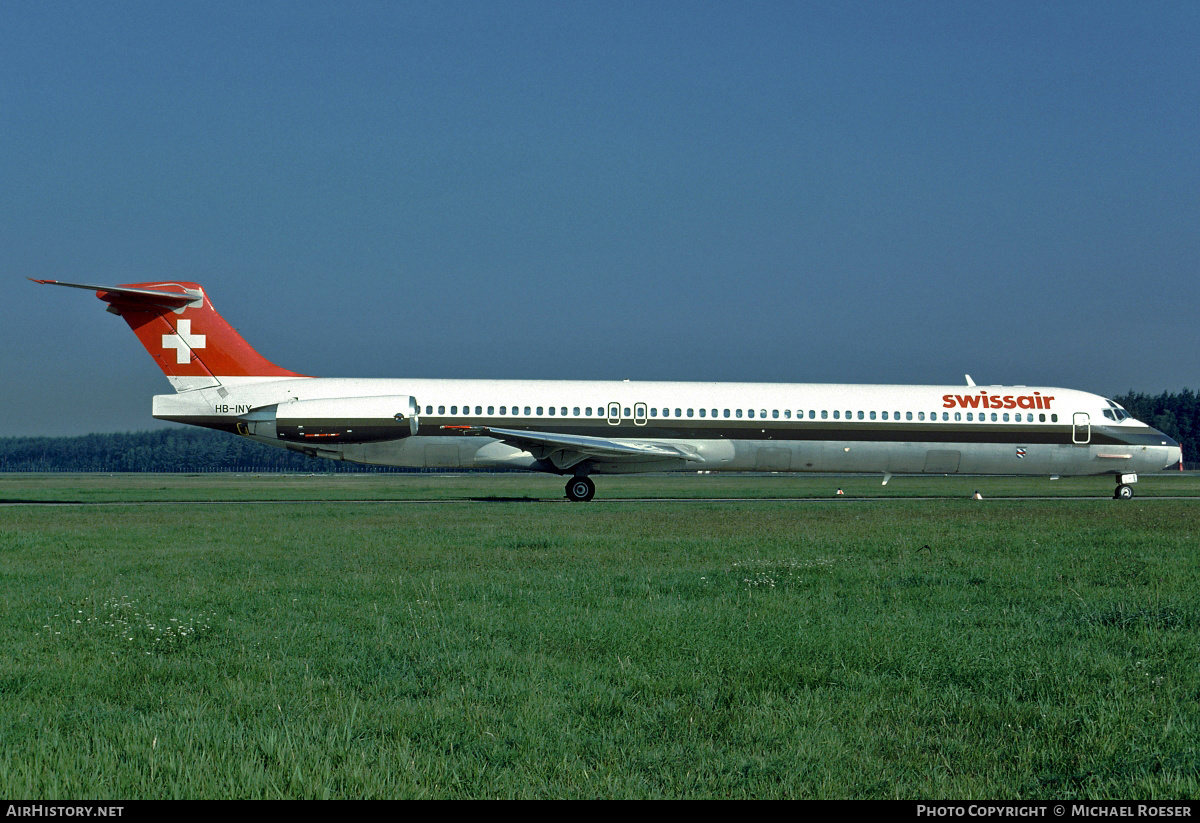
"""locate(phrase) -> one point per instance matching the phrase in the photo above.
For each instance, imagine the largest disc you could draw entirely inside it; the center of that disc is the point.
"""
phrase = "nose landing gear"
(1124, 491)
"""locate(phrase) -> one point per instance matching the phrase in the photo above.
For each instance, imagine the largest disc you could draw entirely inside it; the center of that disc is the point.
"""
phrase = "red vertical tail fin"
(185, 335)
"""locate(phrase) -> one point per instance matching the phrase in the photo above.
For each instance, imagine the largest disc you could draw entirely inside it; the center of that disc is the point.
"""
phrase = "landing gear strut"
(580, 489)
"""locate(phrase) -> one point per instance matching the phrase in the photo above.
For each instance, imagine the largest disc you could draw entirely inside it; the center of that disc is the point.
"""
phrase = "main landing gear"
(580, 489)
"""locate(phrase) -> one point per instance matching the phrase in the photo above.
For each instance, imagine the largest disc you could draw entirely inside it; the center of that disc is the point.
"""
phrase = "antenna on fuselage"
(970, 382)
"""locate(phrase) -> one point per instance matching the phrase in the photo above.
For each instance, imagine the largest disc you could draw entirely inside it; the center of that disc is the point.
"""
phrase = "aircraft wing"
(566, 450)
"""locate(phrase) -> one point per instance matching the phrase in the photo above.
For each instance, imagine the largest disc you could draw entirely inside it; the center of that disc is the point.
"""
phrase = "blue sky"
(789, 192)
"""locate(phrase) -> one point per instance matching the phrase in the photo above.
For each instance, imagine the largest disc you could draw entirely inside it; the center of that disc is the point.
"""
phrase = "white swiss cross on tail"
(184, 342)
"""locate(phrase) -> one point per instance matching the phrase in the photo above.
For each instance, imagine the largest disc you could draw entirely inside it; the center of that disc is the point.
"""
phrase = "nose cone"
(1157, 450)
(1173, 450)
(1174, 455)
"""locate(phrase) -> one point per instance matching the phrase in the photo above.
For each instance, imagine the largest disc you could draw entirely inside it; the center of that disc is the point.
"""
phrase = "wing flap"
(566, 450)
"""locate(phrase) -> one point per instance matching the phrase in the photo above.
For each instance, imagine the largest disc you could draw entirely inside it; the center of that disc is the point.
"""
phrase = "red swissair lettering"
(983, 400)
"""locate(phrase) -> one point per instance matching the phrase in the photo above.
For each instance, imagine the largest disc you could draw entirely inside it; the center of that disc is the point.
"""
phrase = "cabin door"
(1081, 429)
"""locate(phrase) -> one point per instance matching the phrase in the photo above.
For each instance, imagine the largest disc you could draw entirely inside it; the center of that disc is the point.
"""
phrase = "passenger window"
(750, 413)
(689, 412)
(454, 409)
(677, 414)
(837, 415)
(539, 411)
(491, 409)
(958, 416)
(920, 415)
(993, 417)
(702, 412)
(824, 414)
(737, 413)
(441, 409)
(551, 411)
(576, 411)
(654, 412)
(727, 412)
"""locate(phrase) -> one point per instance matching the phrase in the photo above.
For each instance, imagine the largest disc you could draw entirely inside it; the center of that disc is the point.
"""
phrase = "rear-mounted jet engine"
(336, 420)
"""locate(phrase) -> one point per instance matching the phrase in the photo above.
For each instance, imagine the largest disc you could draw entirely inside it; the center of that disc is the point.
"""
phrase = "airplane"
(583, 428)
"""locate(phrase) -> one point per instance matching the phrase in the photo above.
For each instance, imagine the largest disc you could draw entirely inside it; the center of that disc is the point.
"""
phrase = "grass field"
(495, 646)
(519, 486)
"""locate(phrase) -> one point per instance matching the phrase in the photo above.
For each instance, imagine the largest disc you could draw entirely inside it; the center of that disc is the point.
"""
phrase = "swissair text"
(983, 400)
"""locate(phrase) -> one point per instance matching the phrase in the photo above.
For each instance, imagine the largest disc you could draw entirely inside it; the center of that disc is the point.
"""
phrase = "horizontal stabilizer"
(152, 297)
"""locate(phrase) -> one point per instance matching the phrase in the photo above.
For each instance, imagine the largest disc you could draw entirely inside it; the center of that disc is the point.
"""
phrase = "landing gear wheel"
(580, 489)
(1123, 492)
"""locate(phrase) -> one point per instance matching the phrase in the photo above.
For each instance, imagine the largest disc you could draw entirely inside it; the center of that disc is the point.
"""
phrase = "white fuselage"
(1013, 430)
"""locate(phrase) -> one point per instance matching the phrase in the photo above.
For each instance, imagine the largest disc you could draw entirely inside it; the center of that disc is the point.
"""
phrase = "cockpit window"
(1115, 412)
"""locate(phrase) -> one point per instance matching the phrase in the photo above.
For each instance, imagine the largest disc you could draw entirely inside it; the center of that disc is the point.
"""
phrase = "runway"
(564, 501)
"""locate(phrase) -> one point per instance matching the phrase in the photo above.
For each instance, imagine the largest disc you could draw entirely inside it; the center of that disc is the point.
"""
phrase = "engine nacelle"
(335, 420)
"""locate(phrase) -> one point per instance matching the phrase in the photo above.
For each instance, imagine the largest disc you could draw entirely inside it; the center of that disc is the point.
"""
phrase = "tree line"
(162, 450)
(203, 450)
